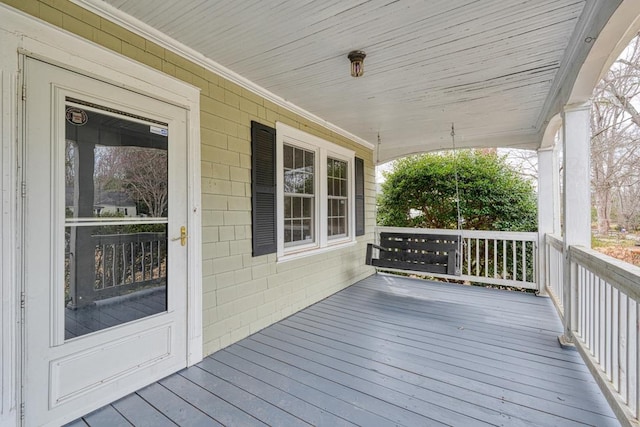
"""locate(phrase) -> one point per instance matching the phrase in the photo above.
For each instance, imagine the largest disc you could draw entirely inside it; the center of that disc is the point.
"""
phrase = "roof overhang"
(498, 71)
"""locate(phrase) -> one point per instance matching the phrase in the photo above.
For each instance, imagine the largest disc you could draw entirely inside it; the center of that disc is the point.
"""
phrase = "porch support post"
(548, 209)
(83, 260)
(577, 203)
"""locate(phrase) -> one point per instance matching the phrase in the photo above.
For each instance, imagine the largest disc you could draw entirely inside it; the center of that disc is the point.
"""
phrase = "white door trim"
(31, 37)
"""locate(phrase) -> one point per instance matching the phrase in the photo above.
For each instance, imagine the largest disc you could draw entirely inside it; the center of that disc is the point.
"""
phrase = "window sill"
(316, 251)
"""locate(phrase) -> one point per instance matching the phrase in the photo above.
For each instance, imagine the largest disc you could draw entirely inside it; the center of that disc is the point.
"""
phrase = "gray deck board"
(77, 423)
(140, 413)
(175, 407)
(209, 403)
(263, 410)
(385, 351)
(107, 416)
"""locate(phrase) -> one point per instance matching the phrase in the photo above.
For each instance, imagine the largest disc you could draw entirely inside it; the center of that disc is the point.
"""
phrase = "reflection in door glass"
(116, 208)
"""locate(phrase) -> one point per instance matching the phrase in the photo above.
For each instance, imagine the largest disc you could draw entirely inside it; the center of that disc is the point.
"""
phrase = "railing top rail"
(129, 237)
(555, 241)
(619, 274)
(475, 234)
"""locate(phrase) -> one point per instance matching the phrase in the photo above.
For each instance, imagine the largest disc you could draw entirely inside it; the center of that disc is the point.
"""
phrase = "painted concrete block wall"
(241, 294)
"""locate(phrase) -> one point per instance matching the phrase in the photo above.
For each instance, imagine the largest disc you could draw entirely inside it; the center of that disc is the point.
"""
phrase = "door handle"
(183, 236)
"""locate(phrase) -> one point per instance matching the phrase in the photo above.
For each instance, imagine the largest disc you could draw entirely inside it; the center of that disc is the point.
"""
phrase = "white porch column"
(548, 208)
(577, 200)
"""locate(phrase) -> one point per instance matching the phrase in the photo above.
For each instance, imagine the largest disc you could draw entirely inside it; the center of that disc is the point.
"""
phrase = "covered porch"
(388, 350)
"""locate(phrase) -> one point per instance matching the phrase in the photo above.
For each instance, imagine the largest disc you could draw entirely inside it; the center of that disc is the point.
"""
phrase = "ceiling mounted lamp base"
(357, 62)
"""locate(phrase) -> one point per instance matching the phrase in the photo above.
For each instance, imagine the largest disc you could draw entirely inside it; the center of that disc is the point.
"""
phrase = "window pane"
(299, 159)
(297, 230)
(297, 207)
(308, 184)
(288, 237)
(307, 229)
(288, 157)
(308, 160)
(289, 181)
(306, 211)
(287, 207)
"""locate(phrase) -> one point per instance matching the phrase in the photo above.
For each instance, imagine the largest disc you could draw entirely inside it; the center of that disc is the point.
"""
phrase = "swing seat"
(422, 253)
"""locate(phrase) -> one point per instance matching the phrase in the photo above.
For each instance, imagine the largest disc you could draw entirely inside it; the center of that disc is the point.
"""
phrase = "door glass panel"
(116, 209)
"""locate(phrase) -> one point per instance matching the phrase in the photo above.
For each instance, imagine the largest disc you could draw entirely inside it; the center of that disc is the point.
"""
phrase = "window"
(299, 195)
(314, 193)
(337, 198)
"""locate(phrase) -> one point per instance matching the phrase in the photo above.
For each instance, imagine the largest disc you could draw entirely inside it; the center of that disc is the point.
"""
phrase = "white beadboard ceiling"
(494, 68)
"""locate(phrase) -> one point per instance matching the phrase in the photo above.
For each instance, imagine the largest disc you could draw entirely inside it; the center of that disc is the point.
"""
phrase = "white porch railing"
(603, 295)
(555, 269)
(120, 264)
(489, 257)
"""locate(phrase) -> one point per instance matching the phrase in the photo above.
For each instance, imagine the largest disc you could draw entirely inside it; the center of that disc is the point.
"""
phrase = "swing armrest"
(370, 247)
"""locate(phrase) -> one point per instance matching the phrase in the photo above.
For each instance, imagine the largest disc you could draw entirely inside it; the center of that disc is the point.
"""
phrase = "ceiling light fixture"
(357, 62)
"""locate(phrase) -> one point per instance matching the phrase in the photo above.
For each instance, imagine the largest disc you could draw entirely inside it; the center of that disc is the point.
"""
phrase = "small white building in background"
(115, 203)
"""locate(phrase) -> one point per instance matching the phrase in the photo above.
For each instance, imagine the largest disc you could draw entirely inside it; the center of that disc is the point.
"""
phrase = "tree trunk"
(603, 210)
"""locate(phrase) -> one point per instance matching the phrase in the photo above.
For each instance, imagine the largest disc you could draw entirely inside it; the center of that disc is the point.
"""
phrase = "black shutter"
(359, 196)
(263, 189)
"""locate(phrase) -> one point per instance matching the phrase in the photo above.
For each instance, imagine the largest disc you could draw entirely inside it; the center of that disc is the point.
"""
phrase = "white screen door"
(104, 237)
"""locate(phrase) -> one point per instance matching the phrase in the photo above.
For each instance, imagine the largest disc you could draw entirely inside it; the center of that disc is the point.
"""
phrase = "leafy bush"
(421, 192)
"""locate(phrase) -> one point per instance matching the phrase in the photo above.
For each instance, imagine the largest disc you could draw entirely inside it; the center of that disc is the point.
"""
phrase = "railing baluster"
(469, 270)
(632, 363)
(113, 265)
(477, 257)
(582, 304)
(514, 262)
(504, 259)
(495, 259)
(624, 344)
(486, 257)
(607, 329)
(615, 336)
(524, 262)
(142, 261)
(124, 262)
(594, 313)
(601, 322)
(636, 407)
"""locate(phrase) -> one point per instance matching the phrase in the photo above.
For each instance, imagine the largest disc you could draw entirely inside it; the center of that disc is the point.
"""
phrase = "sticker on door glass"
(158, 130)
(76, 116)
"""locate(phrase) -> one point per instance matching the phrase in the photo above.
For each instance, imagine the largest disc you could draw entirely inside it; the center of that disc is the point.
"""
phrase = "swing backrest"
(428, 253)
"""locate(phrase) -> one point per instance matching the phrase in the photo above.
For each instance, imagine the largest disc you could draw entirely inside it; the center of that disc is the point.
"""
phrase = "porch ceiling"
(496, 69)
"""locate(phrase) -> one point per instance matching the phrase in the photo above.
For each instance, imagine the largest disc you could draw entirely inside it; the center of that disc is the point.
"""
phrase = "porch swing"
(418, 252)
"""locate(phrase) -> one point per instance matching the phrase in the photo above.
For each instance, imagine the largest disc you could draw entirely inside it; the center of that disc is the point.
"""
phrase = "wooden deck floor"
(114, 311)
(386, 351)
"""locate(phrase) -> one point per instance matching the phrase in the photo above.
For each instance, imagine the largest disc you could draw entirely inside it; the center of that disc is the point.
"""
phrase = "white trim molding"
(9, 274)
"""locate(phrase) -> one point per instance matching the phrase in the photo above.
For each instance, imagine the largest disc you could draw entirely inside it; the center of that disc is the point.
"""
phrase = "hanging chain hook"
(455, 171)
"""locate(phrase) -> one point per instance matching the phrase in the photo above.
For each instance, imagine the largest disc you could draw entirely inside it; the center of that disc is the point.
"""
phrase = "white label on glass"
(158, 130)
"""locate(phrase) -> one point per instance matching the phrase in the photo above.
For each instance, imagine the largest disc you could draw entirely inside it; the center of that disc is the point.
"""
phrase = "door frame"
(25, 36)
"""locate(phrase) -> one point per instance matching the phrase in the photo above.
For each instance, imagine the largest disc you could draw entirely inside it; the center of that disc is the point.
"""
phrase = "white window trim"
(286, 134)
